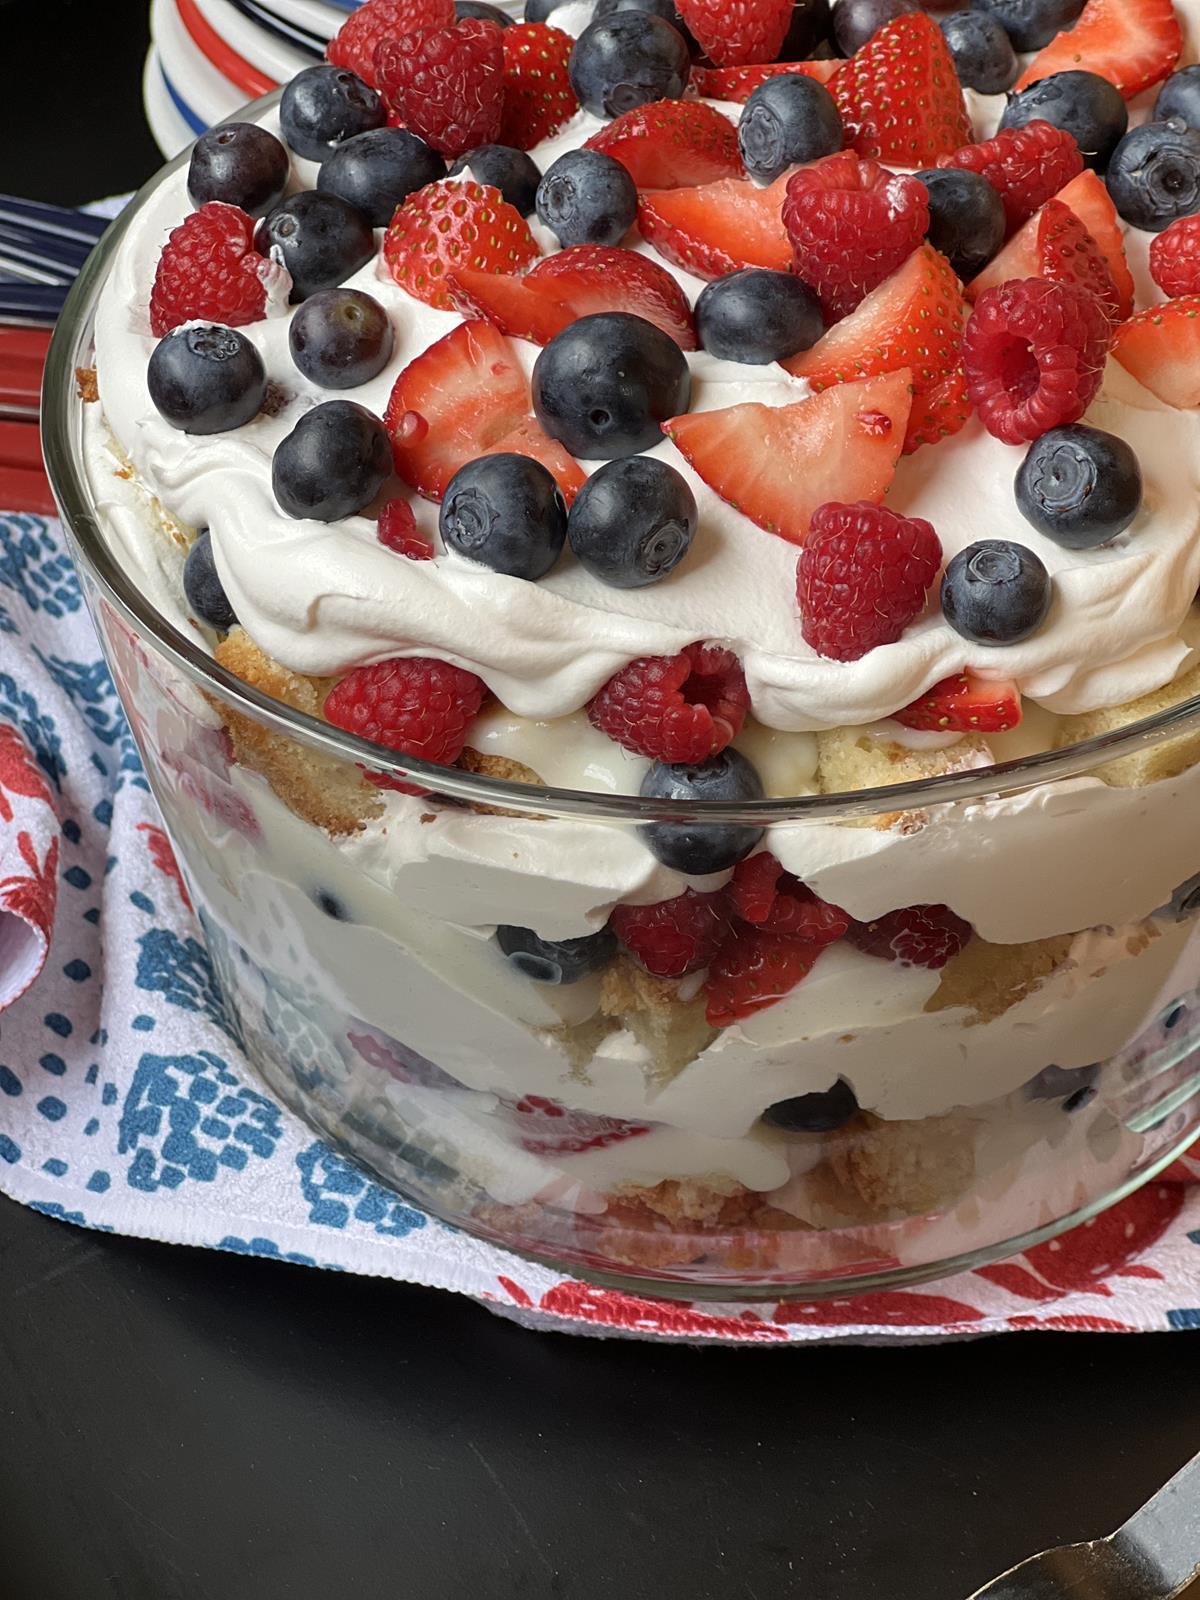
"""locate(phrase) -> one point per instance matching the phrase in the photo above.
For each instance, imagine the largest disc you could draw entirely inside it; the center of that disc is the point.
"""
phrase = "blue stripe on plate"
(195, 123)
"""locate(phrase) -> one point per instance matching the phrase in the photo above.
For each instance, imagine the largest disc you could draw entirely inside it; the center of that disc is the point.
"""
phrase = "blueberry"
(787, 120)
(658, 8)
(207, 379)
(320, 238)
(556, 960)
(506, 512)
(627, 60)
(1079, 486)
(604, 386)
(204, 590)
(996, 592)
(1074, 1086)
(810, 27)
(1154, 174)
(756, 315)
(856, 21)
(333, 463)
(1083, 104)
(513, 172)
(480, 11)
(340, 338)
(587, 197)
(966, 218)
(983, 54)
(241, 164)
(321, 106)
(632, 522)
(1180, 97)
(823, 1112)
(1030, 24)
(331, 905)
(697, 848)
(375, 171)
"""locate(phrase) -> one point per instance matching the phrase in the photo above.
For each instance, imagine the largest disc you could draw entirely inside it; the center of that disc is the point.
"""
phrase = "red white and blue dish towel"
(126, 1105)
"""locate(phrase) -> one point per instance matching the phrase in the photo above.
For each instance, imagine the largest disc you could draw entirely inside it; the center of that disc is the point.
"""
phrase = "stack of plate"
(208, 57)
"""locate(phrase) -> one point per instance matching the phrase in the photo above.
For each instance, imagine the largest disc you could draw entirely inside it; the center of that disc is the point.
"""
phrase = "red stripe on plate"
(210, 44)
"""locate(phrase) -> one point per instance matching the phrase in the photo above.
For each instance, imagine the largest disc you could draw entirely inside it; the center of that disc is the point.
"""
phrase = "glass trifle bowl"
(940, 998)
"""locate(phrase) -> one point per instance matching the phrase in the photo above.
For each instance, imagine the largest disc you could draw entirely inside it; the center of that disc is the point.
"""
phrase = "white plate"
(207, 92)
(171, 132)
(254, 44)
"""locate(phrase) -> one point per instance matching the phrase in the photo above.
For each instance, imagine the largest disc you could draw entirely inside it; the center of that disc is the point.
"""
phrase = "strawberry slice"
(899, 96)
(737, 84)
(450, 404)
(734, 32)
(1132, 43)
(964, 703)
(718, 227)
(527, 439)
(523, 308)
(538, 98)
(1161, 347)
(777, 464)
(914, 319)
(672, 144)
(600, 277)
(754, 970)
(1091, 202)
(449, 225)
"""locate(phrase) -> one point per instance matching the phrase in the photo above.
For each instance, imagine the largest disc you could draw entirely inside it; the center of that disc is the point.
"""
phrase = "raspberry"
(210, 272)
(862, 577)
(357, 39)
(762, 893)
(753, 970)
(851, 223)
(414, 705)
(397, 530)
(1175, 258)
(448, 85)
(1033, 356)
(918, 936)
(679, 709)
(1026, 166)
(675, 936)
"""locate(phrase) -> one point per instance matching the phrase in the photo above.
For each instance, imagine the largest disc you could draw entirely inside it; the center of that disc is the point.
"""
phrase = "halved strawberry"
(1091, 202)
(671, 144)
(914, 319)
(523, 308)
(527, 439)
(600, 277)
(733, 32)
(753, 970)
(718, 227)
(449, 225)
(899, 95)
(964, 703)
(737, 84)
(462, 395)
(1132, 43)
(538, 97)
(777, 464)
(1161, 347)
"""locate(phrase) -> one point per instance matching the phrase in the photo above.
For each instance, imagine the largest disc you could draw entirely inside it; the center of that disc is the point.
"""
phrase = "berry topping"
(206, 379)
(203, 588)
(538, 97)
(556, 960)
(1132, 43)
(1154, 175)
(606, 384)
(1079, 486)
(340, 338)
(1178, 97)
(715, 228)
(677, 709)
(916, 936)
(698, 848)
(628, 59)
(786, 121)
(851, 224)
(1161, 348)
(548, 1129)
(446, 86)
(397, 530)
(527, 439)
(209, 272)
(983, 54)
(450, 225)
(737, 84)
(964, 704)
(763, 894)
(1067, 253)
(676, 936)
(512, 171)
(587, 197)
(595, 277)
(753, 971)
(332, 464)
(241, 165)
(855, 22)
(996, 592)
(734, 32)
(1175, 258)
(1026, 166)
(321, 106)
(356, 40)
(915, 320)
(966, 216)
(808, 32)
(1085, 105)
(377, 171)
(777, 464)
(321, 239)
(671, 144)
(414, 705)
(756, 316)
(505, 511)
(632, 522)
(900, 97)
(530, 307)
(823, 1112)
(1030, 24)
(862, 577)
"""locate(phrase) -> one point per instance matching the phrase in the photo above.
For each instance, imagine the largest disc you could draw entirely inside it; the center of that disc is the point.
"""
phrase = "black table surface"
(182, 1425)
